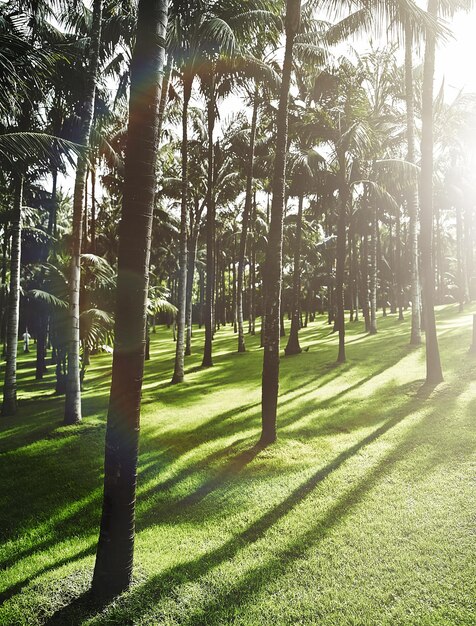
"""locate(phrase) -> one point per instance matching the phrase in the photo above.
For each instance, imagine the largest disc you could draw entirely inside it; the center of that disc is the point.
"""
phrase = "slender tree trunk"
(42, 325)
(53, 206)
(293, 346)
(93, 209)
(365, 280)
(210, 229)
(165, 93)
(9, 406)
(273, 263)
(253, 271)
(192, 255)
(235, 314)
(412, 201)
(398, 268)
(72, 411)
(341, 256)
(178, 374)
(373, 268)
(434, 374)
(113, 569)
(244, 229)
(459, 258)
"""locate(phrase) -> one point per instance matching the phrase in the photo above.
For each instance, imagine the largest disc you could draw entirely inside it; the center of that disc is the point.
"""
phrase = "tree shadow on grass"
(145, 595)
(142, 597)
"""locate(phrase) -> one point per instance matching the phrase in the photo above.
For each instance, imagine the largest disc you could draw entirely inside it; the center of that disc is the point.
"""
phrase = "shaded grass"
(362, 513)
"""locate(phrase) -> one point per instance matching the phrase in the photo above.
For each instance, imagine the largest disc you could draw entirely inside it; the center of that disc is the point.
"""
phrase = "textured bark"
(434, 374)
(114, 559)
(210, 230)
(9, 406)
(179, 365)
(273, 263)
(293, 346)
(244, 229)
(72, 410)
(412, 200)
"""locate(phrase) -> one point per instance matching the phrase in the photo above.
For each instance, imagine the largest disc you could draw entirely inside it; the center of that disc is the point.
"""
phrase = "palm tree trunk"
(459, 258)
(253, 270)
(178, 374)
(373, 268)
(165, 93)
(9, 406)
(72, 409)
(293, 346)
(210, 229)
(93, 209)
(192, 255)
(113, 568)
(244, 229)
(398, 268)
(412, 201)
(340, 257)
(274, 252)
(434, 374)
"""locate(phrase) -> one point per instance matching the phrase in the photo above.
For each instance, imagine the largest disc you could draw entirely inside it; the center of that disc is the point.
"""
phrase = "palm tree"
(273, 263)
(72, 410)
(434, 373)
(113, 568)
(412, 202)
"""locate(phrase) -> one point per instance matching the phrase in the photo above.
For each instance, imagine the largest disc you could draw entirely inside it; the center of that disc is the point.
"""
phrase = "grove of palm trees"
(237, 314)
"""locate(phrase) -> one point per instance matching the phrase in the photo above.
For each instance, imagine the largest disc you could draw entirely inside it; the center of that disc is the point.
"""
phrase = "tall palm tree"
(273, 263)
(72, 409)
(412, 202)
(434, 373)
(113, 568)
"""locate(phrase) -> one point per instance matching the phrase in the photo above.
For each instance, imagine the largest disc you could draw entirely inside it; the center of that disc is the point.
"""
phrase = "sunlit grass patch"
(362, 513)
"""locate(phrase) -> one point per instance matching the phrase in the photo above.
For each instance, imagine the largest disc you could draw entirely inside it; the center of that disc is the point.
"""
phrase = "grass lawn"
(363, 513)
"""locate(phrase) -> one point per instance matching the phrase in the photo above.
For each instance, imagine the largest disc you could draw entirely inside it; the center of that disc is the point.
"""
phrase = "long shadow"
(164, 583)
(192, 570)
(18, 586)
(231, 469)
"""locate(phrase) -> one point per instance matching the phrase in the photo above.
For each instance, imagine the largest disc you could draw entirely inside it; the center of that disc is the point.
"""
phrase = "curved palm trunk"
(210, 230)
(273, 264)
(113, 568)
(412, 202)
(244, 230)
(178, 374)
(434, 372)
(293, 346)
(9, 406)
(72, 410)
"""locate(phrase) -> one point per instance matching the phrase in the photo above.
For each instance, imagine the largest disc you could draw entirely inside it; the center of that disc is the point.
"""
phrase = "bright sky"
(456, 59)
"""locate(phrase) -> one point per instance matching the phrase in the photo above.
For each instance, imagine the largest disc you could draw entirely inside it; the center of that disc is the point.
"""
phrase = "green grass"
(363, 513)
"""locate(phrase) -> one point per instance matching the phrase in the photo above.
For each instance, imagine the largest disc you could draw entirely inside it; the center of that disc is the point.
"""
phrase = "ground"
(363, 512)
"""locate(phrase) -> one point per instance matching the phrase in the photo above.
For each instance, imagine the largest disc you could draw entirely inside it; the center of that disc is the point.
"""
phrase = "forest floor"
(363, 512)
